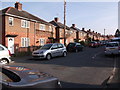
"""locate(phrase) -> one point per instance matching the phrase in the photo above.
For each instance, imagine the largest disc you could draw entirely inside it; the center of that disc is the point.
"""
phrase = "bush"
(82, 42)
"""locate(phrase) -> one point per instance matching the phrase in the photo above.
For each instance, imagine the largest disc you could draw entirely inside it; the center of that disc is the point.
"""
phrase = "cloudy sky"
(96, 16)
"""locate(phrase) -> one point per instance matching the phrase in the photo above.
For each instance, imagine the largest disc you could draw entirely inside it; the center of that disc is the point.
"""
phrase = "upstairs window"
(25, 24)
(42, 27)
(11, 20)
(50, 28)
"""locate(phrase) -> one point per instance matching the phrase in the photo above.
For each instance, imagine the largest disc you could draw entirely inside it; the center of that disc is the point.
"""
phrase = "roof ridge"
(9, 9)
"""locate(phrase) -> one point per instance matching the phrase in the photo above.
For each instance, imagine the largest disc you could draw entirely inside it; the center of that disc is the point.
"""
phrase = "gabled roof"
(75, 28)
(59, 24)
(24, 14)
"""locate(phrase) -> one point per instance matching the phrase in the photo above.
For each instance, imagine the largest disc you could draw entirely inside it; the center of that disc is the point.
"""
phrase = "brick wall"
(0, 29)
(33, 33)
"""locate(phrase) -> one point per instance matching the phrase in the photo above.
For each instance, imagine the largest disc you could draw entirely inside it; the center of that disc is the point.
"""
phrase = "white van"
(5, 55)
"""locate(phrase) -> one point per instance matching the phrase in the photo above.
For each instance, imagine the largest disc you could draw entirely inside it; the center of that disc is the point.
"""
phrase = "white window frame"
(42, 26)
(61, 40)
(12, 20)
(25, 42)
(50, 28)
(28, 24)
(42, 41)
(25, 24)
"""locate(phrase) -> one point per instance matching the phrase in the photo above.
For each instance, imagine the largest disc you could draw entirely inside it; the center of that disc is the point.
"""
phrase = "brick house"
(72, 36)
(80, 34)
(94, 35)
(59, 30)
(20, 29)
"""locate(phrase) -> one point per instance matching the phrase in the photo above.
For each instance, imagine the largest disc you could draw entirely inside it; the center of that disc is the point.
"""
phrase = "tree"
(117, 33)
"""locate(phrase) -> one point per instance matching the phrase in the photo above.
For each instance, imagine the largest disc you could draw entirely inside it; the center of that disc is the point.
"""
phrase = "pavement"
(114, 79)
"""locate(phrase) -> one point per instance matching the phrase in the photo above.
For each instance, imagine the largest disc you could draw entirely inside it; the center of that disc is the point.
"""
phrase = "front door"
(11, 45)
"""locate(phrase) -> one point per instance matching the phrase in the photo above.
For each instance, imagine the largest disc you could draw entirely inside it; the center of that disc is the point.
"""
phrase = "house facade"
(80, 34)
(21, 29)
(59, 32)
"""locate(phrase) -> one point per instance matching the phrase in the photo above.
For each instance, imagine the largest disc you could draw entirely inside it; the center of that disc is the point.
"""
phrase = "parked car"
(21, 78)
(112, 48)
(99, 44)
(50, 50)
(73, 46)
(5, 55)
(93, 44)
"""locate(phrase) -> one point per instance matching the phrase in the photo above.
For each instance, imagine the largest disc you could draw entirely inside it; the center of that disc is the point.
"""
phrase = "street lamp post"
(104, 34)
(64, 22)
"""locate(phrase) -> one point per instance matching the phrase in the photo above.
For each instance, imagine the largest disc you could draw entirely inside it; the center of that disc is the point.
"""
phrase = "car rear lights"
(9, 53)
(119, 48)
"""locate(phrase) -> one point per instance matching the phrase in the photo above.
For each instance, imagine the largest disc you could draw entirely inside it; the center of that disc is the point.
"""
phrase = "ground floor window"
(25, 42)
(71, 40)
(61, 40)
(42, 41)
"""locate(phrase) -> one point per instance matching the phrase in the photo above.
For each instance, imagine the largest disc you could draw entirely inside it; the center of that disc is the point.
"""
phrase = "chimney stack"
(56, 19)
(18, 6)
(89, 30)
(73, 25)
(83, 29)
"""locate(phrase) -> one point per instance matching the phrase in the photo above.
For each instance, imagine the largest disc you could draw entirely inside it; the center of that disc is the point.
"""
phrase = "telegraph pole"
(104, 34)
(64, 22)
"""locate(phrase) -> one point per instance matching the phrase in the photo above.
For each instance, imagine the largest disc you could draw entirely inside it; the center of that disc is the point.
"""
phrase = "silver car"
(112, 48)
(50, 50)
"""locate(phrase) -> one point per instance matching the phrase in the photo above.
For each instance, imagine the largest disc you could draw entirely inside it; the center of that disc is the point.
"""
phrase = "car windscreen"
(9, 76)
(71, 44)
(115, 40)
(111, 44)
(46, 47)
(5, 78)
(93, 42)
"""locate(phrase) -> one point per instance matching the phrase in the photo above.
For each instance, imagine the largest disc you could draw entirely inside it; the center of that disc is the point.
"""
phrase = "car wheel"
(64, 54)
(4, 61)
(48, 57)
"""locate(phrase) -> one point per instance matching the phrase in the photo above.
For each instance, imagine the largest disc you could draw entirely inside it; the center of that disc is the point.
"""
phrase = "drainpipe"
(34, 33)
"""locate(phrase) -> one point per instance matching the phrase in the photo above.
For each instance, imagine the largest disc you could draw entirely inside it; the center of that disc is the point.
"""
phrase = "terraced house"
(70, 34)
(80, 34)
(20, 29)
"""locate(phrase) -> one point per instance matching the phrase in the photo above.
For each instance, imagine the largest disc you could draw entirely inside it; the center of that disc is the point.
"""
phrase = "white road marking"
(96, 55)
(113, 71)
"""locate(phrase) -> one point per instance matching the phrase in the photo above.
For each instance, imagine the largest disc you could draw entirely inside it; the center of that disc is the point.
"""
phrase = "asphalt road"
(86, 69)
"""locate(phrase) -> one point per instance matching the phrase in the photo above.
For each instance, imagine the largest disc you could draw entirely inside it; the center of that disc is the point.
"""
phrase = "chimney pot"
(73, 25)
(89, 30)
(56, 19)
(83, 29)
(18, 6)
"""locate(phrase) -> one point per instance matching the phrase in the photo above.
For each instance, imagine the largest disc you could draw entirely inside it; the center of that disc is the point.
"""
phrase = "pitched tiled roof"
(14, 11)
(75, 28)
(59, 24)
